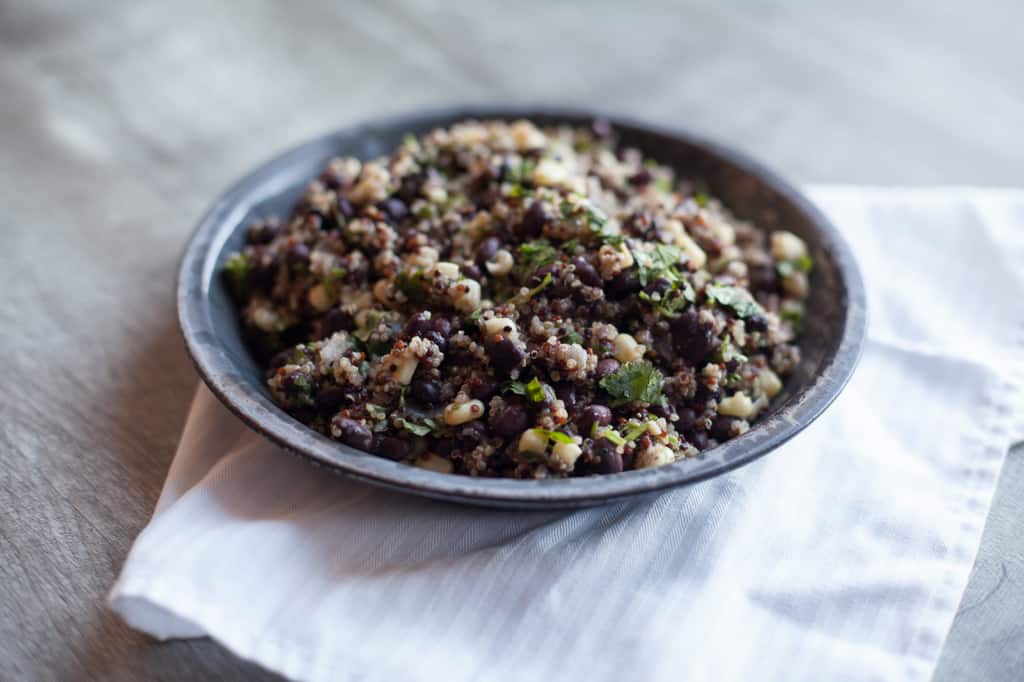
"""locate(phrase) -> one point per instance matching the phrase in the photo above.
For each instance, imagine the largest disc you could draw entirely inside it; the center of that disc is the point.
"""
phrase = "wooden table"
(119, 123)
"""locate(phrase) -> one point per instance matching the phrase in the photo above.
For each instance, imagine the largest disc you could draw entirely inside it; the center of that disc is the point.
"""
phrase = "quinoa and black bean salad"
(498, 299)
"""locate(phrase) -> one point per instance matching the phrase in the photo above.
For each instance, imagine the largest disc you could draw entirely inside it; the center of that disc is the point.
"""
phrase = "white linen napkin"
(842, 556)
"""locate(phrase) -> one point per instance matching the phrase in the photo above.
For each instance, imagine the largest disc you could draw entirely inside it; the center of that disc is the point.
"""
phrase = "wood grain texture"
(120, 122)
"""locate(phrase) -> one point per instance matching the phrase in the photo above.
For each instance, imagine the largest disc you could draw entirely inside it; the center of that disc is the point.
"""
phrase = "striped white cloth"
(842, 556)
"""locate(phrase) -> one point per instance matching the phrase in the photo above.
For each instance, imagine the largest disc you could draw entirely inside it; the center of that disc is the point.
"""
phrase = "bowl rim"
(200, 259)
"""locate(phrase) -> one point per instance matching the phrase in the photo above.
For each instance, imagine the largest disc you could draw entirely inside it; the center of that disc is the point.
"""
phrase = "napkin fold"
(842, 556)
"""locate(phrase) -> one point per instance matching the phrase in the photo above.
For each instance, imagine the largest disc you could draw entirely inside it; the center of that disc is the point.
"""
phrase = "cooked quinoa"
(498, 299)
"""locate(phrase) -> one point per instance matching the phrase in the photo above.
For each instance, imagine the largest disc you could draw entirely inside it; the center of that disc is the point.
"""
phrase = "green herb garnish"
(535, 390)
(786, 268)
(637, 381)
(661, 261)
(702, 199)
(376, 412)
(594, 218)
(236, 269)
(544, 284)
(728, 352)
(573, 337)
(741, 302)
(663, 184)
(534, 255)
(610, 435)
(672, 301)
(556, 436)
(427, 426)
(633, 431)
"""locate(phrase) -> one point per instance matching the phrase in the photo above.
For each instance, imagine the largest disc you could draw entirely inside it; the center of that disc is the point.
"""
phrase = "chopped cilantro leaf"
(739, 300)
(422, 429)
(702, 199)
(637, 381)
(661, 261)
(534, 255)
(595, 219)
(339, 273)
(517, 387)
(573, 337)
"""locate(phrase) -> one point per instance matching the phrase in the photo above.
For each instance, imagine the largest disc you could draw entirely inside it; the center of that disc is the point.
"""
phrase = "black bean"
(687, 418)
(763, 277)
(470, 435)
(353, 433)
(298, 254)
(566, 392)
(721, 428)
(472, 271)
(699, 439)
(486, 250)
(395, 209)
(391, 447)
(509, 421)
(345, 208)
(756, 323)
(441, 325)
(693, 338)
(705, 393)
(543, 271)
(329, 400)
(337, 320)
(622, 285)
(438, 339)
(607, 459)
(417, 325)
(606, 367)
(591, 415)
(425, 392)
(586, 272)
(642, 178)
(504, 354)
(660, 411)
(482, 388)
(410, 187)
(534, 220)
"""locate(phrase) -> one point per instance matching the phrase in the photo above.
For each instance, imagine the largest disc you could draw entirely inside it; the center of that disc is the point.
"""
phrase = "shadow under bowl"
(831, 341)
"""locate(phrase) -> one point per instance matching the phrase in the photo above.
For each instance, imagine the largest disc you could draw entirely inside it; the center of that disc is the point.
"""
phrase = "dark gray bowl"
(831, 343)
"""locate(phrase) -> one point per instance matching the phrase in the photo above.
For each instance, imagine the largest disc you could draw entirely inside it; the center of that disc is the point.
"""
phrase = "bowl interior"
(830, 342)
